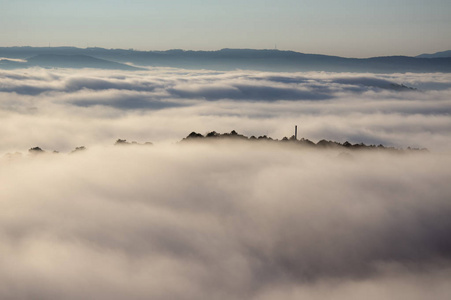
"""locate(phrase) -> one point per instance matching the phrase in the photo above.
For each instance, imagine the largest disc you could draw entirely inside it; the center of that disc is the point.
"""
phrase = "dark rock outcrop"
(121, 142)
(36, 150)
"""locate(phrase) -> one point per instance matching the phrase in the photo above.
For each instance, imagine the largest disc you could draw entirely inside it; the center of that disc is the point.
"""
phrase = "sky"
(350, 28)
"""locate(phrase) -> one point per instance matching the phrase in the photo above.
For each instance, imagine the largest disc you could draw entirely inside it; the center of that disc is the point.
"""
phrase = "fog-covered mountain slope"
(76, 61)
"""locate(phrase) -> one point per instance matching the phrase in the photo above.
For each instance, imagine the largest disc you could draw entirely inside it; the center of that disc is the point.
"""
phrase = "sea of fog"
(224, 220)
(62, 109)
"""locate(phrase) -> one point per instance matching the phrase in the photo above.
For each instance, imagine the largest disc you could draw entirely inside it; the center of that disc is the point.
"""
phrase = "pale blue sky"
(353, 28)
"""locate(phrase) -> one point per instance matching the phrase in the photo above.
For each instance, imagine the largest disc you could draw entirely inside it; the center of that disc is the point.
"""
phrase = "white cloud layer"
(60, 109)
(223, 221)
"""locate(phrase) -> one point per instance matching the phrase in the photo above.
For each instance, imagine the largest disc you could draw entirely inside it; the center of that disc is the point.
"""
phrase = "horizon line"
(217, 50)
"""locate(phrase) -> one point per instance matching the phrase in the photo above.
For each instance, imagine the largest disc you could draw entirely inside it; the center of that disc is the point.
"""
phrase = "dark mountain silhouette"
(436, 55)
(233, 136)
(292, 141)
(225, 59)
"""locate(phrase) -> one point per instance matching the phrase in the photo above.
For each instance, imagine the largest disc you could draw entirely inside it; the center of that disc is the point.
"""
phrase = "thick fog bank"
(220, 220)
(62, 109)
(192, 221)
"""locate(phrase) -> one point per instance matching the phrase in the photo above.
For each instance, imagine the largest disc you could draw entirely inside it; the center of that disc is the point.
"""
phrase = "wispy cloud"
(60, 109)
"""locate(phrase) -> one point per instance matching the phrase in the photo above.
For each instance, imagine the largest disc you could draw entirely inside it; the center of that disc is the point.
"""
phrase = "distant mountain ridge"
(224, 59)
(436, 55)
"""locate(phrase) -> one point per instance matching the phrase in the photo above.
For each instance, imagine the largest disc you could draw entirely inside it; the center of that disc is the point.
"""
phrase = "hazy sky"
(357, 28)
